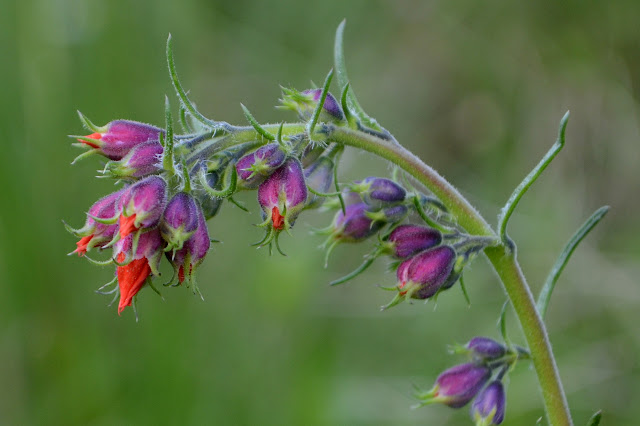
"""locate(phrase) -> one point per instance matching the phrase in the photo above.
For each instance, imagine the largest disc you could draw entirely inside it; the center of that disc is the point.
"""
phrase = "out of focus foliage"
(476, 89)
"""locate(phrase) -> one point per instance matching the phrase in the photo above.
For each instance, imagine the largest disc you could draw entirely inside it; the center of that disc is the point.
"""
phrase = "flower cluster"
(172, 184)
(144, 219)
(481, 379)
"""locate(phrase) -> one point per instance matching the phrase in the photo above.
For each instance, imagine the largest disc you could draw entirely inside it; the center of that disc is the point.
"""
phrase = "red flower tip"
(83, 244)
(127, 225)
(131, 278)
(277, 218)
(96, 136)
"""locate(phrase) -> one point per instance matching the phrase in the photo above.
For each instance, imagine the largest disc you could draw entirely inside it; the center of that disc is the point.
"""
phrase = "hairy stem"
(502, 257)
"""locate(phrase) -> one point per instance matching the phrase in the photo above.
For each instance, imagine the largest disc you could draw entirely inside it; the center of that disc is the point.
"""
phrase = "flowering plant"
(171, 184)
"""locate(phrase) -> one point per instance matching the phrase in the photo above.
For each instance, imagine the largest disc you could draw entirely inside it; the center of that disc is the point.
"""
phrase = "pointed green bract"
(595, 419)
(508, 209)
(565, 255)
(343, 80)
(316, 112)
(186, 102)
(254, 123)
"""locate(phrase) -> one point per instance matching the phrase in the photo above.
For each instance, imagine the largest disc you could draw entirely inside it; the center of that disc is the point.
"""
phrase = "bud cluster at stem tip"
(480, 380)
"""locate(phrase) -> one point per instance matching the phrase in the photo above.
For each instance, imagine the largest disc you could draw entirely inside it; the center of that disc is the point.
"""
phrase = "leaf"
(343, 80)
(565, 255)
(511, 204)
(323, 96)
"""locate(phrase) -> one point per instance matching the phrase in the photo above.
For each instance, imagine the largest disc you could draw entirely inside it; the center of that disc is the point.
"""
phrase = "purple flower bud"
(378, 192)
(354, 225)
(93, 233)
(390, 214)
(180, 220)
(193, 252)
(283, 195)
(331, 110)
(421, 276)
(117, 138)
(485, 348)
(458, 385)
(319, 177)
(254, 168)
(142, 160)
(142, 205)
(407, 240)
(210, 205)
(304, 103)
(489, 406)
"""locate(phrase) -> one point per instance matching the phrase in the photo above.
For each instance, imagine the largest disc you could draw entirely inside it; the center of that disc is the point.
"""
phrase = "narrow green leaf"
(343, 80)
(464, 291)
(595, 419)
(565, 255)
(181, 92)
(323, 96)
(254, 123)
(511, 204)
(360, 269)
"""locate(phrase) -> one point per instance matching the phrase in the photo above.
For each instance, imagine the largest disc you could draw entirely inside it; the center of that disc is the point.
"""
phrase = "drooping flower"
(93, 233)
(457, 386)
(283, 195)
(379, 192)
(118, 137)
(421, 276)
(137, 258)
(408, 240)
(484, 348)
(142, 205)
(190, 256)
(489, 406)
(143, 160)
(255, 167)
(180, 220)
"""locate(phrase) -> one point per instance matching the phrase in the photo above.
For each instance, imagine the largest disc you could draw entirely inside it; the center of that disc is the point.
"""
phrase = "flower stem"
(502, 257)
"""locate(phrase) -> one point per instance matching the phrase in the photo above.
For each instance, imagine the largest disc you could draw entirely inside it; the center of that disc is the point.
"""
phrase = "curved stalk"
(502, 257)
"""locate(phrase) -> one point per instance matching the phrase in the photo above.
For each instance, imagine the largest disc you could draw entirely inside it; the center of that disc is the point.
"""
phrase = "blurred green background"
(475, 88)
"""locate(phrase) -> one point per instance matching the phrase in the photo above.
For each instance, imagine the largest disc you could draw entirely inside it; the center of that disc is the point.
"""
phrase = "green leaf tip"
(595, 419)
(526, 183)
(323, 96)
(565, 255)
(254, 123)
(343, 79)
(186, 102)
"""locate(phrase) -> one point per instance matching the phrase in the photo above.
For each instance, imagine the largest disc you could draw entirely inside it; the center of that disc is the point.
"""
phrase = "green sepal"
(595, 419)
(89, 125)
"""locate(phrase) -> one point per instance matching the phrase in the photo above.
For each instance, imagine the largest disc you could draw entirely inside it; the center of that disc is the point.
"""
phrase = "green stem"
(502, 257)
